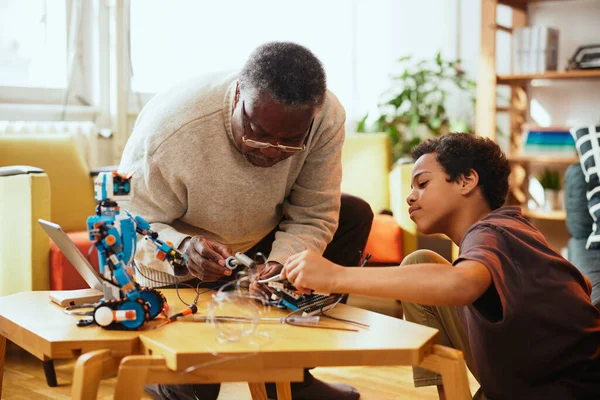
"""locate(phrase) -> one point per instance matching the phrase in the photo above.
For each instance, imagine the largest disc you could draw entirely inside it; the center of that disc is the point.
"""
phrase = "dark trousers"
(345, 249)
(349, 239)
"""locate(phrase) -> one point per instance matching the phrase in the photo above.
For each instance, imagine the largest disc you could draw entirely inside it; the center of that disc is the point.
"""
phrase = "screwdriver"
(190, 310)
(304, 319)
(193, 309)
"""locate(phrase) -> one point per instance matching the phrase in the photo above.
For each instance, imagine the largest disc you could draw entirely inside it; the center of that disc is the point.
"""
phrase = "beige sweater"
(191, 179)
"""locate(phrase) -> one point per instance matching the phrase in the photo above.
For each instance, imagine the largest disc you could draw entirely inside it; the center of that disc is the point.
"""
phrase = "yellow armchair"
(24, 198)
(367, 173)
(366, 161)
(60, 191)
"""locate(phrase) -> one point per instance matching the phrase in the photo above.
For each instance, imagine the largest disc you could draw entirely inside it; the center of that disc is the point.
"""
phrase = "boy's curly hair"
(457, 153)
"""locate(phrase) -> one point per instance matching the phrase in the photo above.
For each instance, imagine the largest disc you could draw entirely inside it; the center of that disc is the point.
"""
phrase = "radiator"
(84, 132)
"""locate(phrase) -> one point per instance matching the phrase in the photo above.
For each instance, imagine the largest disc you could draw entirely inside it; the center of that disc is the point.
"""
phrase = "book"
(535, 49)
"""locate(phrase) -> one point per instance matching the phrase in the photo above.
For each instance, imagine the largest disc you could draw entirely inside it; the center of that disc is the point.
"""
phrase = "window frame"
(39, 103)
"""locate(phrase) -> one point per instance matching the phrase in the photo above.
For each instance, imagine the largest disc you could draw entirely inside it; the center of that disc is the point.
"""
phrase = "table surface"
(33, 322)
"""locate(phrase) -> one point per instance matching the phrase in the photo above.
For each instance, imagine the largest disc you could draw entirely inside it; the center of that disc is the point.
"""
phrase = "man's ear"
(236, 97)
(468, 181)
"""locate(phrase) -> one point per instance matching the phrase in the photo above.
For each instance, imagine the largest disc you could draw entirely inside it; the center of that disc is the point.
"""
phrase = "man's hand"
(308, 270)
(270, 269)
(206, 258)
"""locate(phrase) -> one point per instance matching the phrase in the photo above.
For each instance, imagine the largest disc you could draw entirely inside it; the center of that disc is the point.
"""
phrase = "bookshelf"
(522, 4)
(487, 108)
(519, 79)
(558, 160)
(558, 215)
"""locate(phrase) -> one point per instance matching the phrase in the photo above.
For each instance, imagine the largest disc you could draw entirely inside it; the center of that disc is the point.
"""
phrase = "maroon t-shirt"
(534, 333)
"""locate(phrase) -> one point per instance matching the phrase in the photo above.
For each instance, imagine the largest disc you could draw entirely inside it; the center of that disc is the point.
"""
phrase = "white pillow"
(588, 147)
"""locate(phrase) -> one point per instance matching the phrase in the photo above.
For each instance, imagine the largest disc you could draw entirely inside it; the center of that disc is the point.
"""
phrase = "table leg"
(50, 372)
(449, 363)
(284, 391)
(259, 391)
(2, 352)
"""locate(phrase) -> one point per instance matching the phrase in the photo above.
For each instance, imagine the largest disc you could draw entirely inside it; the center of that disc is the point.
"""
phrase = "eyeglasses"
(265, 145)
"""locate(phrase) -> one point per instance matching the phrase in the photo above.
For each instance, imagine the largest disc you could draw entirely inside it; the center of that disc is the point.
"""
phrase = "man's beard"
(262, 161)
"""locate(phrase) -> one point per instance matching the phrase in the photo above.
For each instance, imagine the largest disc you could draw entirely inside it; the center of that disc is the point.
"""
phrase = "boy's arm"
(430, 284)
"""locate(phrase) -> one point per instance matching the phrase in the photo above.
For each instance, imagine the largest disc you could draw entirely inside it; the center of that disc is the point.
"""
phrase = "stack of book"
(548, 141)
(535, 49)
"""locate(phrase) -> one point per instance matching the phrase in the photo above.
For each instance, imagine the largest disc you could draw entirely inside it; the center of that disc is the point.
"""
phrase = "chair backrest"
(72, 191)
(366, 161)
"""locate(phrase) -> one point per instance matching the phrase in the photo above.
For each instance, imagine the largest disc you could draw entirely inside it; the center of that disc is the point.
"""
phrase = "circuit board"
(295, 300)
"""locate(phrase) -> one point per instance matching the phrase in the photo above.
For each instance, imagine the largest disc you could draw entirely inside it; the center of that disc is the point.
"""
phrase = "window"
(33, 43)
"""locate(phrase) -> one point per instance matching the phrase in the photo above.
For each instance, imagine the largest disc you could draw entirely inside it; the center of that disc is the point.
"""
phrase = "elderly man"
(246, 163)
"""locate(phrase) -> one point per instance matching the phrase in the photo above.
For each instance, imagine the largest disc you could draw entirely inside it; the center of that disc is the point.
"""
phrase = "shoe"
(315, 389)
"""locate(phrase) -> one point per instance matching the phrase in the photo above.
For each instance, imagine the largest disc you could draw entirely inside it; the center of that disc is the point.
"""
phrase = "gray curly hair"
(287, 71)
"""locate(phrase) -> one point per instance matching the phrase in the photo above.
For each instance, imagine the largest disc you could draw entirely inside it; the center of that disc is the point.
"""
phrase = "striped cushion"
(588, 148)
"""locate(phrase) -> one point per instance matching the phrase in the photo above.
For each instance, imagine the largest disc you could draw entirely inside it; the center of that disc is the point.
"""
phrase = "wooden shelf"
(524, 3)
(578, 74)
(543, 159)
(558, 215)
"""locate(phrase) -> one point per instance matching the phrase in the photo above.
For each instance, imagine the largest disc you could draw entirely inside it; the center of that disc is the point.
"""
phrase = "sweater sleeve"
(311, 211)
(159, 201)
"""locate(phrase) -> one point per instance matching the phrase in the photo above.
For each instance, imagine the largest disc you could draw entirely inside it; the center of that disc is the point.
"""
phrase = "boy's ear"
(468, 181)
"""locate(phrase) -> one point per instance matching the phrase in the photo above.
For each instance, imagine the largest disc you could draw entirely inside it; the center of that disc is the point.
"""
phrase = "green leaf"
(418, 96)
(415, 118)
(361, 125)
(398, 100)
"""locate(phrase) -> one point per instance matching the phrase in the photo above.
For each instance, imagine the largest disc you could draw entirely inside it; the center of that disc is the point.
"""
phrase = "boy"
(519, 311)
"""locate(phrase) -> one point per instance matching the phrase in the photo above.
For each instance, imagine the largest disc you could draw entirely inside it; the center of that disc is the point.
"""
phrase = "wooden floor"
(24, 376)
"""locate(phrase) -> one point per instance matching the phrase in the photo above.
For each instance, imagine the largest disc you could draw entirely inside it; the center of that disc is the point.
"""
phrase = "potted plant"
(550, 181)
(415, 108)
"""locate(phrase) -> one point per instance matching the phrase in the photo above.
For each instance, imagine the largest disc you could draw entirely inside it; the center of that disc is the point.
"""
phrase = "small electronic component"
(295, 300)
(240, 258)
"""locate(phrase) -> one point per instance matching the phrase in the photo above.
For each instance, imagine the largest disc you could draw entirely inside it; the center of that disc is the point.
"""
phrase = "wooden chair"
(449, 363)
(89, 370)
(136, 371)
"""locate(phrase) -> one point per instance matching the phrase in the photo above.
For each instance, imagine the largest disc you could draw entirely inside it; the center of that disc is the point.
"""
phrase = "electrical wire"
(325, 313)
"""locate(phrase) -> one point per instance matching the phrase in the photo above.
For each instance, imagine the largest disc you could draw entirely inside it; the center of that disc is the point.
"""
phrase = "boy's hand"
(308, 270)
(268, 270)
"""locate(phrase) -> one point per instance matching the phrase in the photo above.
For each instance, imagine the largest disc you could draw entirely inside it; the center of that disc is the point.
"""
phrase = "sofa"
(579, 225)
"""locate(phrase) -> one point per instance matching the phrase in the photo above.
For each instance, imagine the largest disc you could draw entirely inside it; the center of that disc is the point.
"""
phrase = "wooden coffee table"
(186, 352)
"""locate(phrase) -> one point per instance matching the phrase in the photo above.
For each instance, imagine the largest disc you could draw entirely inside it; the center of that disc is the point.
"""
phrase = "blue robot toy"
(126, 305)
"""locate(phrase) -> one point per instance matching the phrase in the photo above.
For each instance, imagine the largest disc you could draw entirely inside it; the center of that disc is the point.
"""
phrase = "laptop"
(81, 264)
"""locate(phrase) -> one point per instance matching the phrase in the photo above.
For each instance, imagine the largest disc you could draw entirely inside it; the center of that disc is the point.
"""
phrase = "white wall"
(358, 41)
(404, 27)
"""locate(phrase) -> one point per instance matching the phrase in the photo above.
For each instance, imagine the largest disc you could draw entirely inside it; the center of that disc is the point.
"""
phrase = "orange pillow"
(385, 241)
